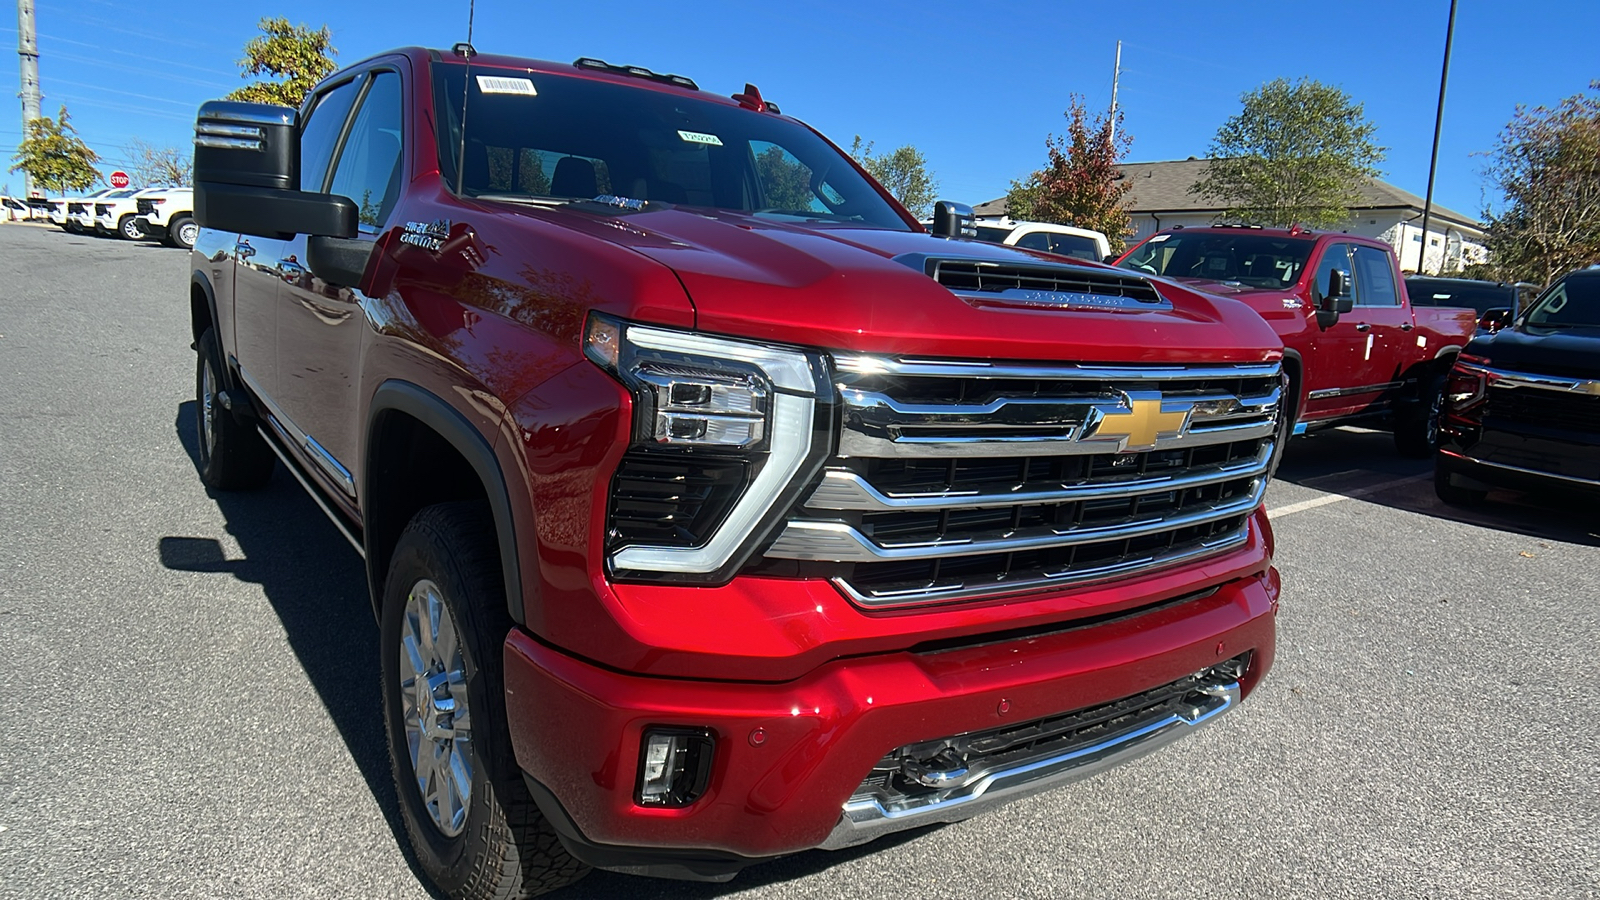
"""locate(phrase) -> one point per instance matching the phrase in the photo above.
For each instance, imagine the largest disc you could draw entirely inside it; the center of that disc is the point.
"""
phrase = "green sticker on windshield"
(696, 137)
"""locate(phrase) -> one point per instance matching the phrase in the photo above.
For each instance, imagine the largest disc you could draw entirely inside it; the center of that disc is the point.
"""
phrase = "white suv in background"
(62, 210)
(119, 215)
(167, 215)
(1062, 240)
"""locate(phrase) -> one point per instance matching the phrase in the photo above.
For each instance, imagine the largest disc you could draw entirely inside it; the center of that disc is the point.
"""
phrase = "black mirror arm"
(338, 261)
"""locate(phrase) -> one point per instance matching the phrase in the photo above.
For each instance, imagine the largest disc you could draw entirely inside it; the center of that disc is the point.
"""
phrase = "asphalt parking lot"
(191, 703)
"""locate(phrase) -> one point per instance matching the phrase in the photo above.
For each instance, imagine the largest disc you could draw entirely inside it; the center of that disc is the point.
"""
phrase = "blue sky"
(975, 85)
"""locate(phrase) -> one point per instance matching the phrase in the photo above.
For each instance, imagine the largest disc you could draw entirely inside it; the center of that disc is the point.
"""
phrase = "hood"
(1573, 352)
(864, 290)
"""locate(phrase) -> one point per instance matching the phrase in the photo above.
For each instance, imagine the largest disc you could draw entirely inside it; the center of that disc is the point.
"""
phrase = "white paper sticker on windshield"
(695, 137)
(1159, 238)
(493, 84)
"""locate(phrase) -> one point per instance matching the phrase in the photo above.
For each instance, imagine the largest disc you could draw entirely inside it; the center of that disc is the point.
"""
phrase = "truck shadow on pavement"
(317, 587)
(1363, 465)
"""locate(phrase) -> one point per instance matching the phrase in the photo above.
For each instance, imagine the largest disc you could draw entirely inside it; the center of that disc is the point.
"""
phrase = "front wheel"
(1416, 430)
(232, 456)
(128, 227)
(184, 232)
(476, 831)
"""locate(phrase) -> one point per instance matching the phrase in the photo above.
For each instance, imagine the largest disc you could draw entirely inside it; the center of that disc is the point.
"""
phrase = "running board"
(316, 496)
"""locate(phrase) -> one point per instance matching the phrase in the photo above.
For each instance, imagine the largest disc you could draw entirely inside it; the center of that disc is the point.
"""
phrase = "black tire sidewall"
(232, 457)
(1411, 428)
(122, 228)
(175, 231)
(425, 551)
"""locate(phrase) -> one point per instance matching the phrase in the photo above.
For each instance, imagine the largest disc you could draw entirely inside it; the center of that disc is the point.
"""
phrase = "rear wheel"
(1416, 430)
(184, 232)
(232, 456)
(1444, 485)
(476, 831)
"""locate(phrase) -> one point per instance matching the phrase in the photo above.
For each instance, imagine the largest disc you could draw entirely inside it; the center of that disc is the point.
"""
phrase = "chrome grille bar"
(845, 489)
(842, 542)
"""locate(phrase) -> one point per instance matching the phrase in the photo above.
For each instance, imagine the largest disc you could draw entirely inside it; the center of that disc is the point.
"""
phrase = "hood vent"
(1044, 286)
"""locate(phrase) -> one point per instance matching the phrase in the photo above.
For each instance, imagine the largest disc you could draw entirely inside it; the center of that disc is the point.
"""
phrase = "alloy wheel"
(433, 697)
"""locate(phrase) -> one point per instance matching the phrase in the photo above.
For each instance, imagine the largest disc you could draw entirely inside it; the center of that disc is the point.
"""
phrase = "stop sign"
(119, 179)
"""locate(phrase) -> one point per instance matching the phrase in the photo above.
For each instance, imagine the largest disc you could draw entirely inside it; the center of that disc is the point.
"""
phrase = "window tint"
(1074, 245)
(1337, 256)
(369, 165)
(1034, 240)
(1465, 295)
(1571, 303)
(1256, 260)
(1374, 278)
(320, 133)
(993, 235)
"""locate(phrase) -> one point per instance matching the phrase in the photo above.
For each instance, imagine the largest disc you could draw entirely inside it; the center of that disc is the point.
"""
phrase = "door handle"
(1363, 327)
(1406, 326)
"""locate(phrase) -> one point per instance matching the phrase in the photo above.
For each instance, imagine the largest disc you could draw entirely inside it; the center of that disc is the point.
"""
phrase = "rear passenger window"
(1374, 278)
(1035, 240)
(1074, 245)
(369, 165)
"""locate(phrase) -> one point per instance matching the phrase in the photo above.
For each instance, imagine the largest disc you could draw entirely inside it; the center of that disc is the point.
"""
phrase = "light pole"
(28, 50)
(1433, 163)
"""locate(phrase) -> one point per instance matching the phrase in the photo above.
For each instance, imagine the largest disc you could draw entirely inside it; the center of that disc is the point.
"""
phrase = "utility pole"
(1116, 75)
(28, 49)
(1433, 164)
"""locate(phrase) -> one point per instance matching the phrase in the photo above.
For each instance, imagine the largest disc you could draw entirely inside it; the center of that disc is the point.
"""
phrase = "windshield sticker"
(1159, 238)
(696, 137)
(491, 84)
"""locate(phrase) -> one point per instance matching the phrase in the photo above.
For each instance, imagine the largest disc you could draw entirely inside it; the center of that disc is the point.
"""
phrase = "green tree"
(55, 157)
(903, 172)
(785, 181)
(1080, 184)
(1546, 163)
(294, 57)
(1297, 153)
(159, 166)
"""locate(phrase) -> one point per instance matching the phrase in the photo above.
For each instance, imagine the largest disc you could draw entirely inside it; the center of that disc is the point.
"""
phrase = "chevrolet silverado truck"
(713, 509)
(1522, 406)
(1355, 348)
(167, 215)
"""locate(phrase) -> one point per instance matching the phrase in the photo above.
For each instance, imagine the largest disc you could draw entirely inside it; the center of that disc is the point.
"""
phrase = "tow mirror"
(954, 220)
(1495, 319)
(247, 175)
(1337, 300)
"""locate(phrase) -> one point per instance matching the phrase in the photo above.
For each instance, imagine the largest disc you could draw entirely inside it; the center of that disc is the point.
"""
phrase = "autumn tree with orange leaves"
(1080, 183)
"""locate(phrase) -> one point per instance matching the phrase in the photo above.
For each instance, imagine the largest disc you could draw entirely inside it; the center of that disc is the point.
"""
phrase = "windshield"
(1257, 260)
(1574, 302)
(1466, 295)
(540, 136)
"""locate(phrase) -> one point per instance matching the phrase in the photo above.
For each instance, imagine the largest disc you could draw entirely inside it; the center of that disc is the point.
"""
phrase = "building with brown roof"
(1160, 198)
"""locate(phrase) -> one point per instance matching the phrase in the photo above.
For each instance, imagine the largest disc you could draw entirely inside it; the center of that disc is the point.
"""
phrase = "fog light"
(674, 766)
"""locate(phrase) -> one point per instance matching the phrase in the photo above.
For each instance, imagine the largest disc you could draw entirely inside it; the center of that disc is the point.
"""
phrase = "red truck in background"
(1354, 346)
(713, 510)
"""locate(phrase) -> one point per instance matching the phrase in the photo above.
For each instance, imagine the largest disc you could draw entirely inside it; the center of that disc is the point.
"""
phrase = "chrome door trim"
(308, 445)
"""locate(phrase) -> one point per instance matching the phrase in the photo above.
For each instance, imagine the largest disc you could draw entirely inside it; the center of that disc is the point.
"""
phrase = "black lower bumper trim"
(655, 862)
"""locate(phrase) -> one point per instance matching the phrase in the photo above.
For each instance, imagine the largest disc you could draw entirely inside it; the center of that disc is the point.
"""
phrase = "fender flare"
(446, 421)
(1448, 350)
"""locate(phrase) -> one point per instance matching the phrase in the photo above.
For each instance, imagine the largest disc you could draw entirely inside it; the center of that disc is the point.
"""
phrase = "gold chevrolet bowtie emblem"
(1142, 424)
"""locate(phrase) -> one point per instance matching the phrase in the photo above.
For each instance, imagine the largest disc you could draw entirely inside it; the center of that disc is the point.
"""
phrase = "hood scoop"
(1038, 285)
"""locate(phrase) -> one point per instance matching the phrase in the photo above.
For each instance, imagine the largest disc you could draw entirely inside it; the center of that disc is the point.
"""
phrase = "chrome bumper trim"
(1586, 482)
(869, 819)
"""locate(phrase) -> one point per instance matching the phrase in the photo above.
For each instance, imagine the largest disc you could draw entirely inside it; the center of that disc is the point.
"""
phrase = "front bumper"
(151, 229)
(789, 756)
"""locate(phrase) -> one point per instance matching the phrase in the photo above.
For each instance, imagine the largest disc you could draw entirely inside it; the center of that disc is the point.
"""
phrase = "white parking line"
(1292, 508)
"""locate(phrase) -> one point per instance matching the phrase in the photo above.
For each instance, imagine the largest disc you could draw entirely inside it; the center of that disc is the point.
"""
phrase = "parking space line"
(1292, 508)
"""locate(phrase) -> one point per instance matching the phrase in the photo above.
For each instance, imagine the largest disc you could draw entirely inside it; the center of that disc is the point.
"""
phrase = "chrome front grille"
(959, 480)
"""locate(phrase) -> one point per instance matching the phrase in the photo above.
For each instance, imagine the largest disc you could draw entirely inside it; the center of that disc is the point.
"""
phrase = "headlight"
(1463, 388)
(724, 434)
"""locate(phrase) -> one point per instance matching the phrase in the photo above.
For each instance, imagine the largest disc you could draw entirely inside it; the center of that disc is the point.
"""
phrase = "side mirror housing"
(247, 175)
(1337, 300)
(1495, 319)
(954, 220)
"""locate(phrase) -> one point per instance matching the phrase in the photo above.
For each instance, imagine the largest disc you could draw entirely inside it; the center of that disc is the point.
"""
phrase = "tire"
(1416, 430)
(183, 232)
(232, 456)
(1445, 487)
(128, 227)
(493, 842)
(1289, 412)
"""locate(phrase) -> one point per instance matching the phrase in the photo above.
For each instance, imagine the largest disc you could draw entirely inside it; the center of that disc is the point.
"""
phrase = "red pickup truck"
(1354, 346)
(713, 509)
